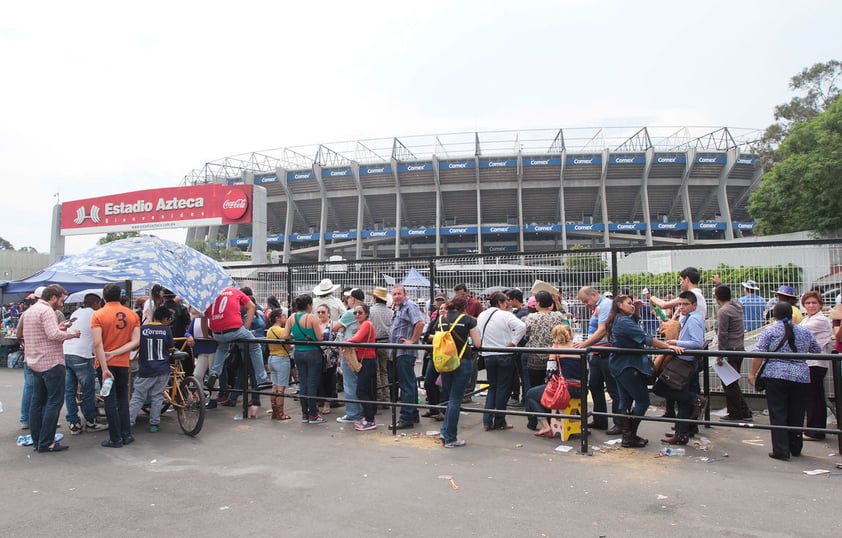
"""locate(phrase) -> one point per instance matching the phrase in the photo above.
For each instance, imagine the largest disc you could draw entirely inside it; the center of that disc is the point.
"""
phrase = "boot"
(629, 439)
(634, 424)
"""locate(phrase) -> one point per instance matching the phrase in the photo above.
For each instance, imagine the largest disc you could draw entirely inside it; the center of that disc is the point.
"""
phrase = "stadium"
(495, 192)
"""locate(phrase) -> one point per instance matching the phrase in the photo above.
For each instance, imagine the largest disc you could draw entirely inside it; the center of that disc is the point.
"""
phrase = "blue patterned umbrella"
(188, 273)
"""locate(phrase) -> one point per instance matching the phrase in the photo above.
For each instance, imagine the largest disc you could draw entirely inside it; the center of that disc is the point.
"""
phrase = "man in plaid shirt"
(43, 336)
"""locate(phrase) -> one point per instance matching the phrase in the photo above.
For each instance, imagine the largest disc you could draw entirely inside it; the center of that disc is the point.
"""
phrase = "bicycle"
(186, 395)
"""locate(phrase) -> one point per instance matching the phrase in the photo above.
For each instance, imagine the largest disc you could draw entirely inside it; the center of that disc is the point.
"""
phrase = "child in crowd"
(156, 347)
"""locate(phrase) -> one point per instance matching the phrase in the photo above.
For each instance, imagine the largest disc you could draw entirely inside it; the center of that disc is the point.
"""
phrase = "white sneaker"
(346, 419)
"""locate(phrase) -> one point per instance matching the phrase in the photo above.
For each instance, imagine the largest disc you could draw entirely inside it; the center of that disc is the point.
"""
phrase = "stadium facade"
(495, 192)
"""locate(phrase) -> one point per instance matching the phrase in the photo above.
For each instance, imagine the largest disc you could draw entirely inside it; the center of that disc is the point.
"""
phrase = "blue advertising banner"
(368, 170)
(301, 174)
(458, 230)
(498, 163)
(501, 229)
(584, 159)
(544, 228)
(336, 172)
(747, 160)
(710, 159)
(745, 226)
(304, 237)
(492, 249)
(669, 159)
(241, 242)
(341, 235)
(235, 181)
(278, 238)
(368, 234)
(627, 159)
(457, 165)
(596, 227)
(709, 226)
(265, 179)
(415, 167)
(626, 226)
(418, 232)
(669, 226)
(542, 161)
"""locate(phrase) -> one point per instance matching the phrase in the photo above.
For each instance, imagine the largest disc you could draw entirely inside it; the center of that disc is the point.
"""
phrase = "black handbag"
(676, 373)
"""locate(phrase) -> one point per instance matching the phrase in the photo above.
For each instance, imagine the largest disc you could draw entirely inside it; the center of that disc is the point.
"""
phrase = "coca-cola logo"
(235, 204)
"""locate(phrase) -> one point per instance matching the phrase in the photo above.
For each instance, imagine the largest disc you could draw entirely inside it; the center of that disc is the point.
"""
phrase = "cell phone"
(70, 321)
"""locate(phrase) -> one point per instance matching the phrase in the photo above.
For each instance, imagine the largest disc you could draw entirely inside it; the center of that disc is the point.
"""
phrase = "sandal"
(284, 417)
(542, 433)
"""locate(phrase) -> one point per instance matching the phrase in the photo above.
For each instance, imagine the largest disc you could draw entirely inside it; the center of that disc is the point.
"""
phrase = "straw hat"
(381, 293)
(540, 285)
(325, 287)
(836, 312)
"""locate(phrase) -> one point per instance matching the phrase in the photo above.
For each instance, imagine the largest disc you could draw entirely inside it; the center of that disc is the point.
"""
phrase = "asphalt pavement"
(263, 477)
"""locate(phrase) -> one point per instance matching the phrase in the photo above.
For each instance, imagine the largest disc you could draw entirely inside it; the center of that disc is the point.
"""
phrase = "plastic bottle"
(661, 314)
(1, 407)
(106, 387)
(671, 452)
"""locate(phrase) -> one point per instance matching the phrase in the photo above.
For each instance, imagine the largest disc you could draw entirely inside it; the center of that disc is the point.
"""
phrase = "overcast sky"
(106, 97)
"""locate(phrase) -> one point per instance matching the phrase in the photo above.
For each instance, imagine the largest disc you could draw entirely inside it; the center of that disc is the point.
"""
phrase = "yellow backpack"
(446, 357)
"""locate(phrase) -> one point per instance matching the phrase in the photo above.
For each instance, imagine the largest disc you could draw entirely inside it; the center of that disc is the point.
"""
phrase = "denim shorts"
(279, 368)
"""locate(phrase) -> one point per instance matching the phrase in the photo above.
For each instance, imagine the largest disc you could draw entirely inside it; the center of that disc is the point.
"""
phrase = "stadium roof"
(489, 143)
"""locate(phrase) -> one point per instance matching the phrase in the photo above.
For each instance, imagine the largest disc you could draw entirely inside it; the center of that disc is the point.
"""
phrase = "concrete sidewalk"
(261, 476)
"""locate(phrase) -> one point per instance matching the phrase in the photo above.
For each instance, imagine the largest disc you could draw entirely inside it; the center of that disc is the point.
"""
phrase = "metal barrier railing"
(584, 353)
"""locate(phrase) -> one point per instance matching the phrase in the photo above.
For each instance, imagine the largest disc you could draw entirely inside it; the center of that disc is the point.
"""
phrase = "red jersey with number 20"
(224, 313)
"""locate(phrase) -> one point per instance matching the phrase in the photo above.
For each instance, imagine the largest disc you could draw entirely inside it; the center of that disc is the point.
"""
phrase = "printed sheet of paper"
(726, 373)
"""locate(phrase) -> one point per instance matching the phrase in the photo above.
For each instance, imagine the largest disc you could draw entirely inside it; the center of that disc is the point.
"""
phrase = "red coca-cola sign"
(235, 204)
(174, 207)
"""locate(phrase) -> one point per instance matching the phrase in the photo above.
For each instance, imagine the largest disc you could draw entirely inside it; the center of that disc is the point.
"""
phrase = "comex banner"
(175, 207)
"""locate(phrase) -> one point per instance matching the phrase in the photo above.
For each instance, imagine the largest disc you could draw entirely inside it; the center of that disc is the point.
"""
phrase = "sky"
(101, 98)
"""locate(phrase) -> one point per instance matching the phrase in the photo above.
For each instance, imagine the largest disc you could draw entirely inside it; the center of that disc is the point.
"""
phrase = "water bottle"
(661, 314)
(671, 452)
(106, 387)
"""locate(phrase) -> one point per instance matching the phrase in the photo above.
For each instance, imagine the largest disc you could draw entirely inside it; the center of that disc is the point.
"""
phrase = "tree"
(817, 87)
(115, 236)
(5, 245)
(27, 249)
(803, 190)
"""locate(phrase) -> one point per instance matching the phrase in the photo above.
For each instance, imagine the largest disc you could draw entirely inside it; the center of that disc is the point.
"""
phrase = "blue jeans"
(632, 388)
(47, 395)
(366, 378)
(408, 384)
(26, 396)
(524, 377)
(279, 367)
(117, 405)
(255, 353)
(309, 365)
(454, 384)
(599, 381)
(349, 386)
(500, 371)
(80, 371)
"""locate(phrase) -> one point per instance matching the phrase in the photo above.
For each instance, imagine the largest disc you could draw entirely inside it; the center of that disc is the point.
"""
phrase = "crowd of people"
(130, 350)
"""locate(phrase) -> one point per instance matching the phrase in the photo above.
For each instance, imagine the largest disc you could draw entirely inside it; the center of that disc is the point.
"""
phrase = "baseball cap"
(356, 293)
(440, 297)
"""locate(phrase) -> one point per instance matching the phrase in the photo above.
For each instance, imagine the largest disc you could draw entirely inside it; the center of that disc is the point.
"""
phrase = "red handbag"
(556, 394)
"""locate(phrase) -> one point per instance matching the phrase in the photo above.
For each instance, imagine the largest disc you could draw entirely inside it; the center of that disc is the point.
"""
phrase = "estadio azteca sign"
(175, 207)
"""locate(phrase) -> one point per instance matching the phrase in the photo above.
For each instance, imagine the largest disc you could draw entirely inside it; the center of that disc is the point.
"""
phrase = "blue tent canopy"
(414, 279)
(47, 276)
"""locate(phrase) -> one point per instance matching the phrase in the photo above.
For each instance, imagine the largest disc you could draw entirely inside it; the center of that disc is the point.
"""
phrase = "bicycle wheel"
(191, 409)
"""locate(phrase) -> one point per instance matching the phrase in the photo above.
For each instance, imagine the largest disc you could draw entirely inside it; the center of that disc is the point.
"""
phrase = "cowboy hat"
(750, 285)
(325, 287)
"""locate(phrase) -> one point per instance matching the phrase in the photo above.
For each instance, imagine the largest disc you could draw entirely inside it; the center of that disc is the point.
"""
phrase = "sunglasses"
(358, 312)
